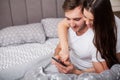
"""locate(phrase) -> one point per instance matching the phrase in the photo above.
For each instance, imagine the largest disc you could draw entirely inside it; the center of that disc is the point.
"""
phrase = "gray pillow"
(50, 26)
(15, 35)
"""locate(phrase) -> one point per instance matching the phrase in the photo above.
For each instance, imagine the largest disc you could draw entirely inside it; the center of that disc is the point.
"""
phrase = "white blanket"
(47, 71)
(16, 60)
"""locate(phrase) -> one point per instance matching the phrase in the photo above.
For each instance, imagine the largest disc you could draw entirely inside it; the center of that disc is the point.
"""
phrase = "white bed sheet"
(16, 60)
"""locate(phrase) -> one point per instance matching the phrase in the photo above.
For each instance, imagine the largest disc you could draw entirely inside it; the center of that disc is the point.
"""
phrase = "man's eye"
(77, 19)
(67, 18)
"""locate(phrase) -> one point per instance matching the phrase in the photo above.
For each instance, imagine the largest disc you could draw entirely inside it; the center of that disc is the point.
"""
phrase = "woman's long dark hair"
(105, 29)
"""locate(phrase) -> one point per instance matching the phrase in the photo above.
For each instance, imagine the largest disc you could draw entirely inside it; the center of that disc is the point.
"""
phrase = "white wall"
(115, 5)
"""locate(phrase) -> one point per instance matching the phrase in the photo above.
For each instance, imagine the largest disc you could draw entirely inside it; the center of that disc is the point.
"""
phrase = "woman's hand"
(64, 55)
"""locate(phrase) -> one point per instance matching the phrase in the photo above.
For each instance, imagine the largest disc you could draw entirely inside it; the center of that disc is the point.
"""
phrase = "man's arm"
(78, 72)
(100, 66)
(70, 68)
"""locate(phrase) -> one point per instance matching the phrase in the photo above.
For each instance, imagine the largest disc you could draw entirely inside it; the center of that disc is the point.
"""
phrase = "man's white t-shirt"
(82, 50)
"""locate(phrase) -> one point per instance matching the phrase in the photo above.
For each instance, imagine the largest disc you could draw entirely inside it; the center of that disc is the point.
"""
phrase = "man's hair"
(71, 4)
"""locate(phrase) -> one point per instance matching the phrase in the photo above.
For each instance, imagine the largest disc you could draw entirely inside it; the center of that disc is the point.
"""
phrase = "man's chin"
(75, 30)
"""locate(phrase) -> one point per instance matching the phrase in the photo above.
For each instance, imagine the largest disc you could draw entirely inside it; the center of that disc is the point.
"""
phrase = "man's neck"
(81, 31)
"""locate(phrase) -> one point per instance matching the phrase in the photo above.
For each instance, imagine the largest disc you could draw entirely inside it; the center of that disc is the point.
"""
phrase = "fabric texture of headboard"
(17, 12)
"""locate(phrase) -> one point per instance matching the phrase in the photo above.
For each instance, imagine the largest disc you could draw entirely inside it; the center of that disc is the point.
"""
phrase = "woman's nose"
(84, 18)
(88, 23)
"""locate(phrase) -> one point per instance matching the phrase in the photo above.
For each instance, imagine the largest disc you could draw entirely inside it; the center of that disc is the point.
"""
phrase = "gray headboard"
(17, 12)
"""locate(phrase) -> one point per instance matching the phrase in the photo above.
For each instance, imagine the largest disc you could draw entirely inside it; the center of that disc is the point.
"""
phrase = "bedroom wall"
(17, 12)
(115, 5)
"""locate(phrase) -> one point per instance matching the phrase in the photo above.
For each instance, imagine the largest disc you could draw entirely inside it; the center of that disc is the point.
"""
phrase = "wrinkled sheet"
(14, 55)
(15, 61)
(47, 71)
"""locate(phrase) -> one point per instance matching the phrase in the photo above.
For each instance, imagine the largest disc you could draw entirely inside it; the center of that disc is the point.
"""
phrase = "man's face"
(75, 19)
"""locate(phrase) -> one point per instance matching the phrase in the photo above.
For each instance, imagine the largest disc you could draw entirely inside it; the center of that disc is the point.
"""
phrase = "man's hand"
(69, 68)
(57, 57)
(65, 69)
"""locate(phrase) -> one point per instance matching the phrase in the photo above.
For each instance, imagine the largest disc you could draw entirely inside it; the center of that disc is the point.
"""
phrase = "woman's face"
(88, 17)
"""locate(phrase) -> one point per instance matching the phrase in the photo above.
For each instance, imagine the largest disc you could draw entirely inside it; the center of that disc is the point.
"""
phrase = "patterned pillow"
(15, 35)
(50, 26)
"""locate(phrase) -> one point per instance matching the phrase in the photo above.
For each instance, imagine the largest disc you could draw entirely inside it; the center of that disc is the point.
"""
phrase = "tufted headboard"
(18, 12)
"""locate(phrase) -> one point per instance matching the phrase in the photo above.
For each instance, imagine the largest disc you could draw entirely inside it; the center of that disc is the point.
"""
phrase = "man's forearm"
(77, 71)
(89, 70)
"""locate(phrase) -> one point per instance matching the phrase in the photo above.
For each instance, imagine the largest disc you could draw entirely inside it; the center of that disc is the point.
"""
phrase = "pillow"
(50, 26)
(15, 35)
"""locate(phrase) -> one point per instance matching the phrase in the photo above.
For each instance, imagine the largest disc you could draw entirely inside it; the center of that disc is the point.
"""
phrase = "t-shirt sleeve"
(96, 57)
(117, 20)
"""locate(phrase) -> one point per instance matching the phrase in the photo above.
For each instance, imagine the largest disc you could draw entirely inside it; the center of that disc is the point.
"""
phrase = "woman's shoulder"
(63, 23)
(117, 21)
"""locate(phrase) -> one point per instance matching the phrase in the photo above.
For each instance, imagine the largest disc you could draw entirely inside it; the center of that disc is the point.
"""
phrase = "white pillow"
(50, 26)
(15, 35)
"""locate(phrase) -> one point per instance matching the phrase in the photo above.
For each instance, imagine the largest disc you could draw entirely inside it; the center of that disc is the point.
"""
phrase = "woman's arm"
(57, 49)
(63, 37)
(63, 34)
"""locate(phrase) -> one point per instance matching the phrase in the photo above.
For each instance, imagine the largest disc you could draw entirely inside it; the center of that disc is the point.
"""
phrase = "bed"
(28, 37)
(23, 46)
(26, 49)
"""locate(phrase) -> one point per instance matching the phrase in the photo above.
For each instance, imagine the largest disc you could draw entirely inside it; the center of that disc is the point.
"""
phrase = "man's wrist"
(76, 71)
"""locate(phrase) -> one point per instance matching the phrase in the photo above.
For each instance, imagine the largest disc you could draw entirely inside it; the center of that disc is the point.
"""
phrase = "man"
(82, 50)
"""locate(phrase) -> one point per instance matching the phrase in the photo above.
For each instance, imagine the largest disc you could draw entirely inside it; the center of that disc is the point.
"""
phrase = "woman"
(98, 15)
